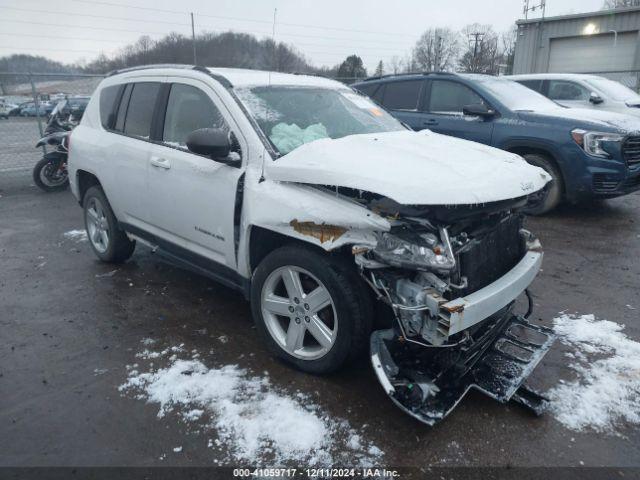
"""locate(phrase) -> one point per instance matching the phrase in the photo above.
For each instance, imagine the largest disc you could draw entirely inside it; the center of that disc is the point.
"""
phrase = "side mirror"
(478, 110)
(214, 143)
(595, 98)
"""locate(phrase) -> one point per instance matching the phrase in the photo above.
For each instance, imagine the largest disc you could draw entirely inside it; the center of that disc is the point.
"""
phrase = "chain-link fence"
(629, 78)
(26, 100)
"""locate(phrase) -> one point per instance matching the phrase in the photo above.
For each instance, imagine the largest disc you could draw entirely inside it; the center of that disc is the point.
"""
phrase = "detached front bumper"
(497, 364)
(464, 312)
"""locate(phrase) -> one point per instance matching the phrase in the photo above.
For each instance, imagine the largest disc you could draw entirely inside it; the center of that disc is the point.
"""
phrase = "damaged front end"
(451, 276)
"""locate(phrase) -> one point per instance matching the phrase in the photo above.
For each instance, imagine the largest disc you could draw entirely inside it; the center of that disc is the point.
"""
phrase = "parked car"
(77, 105)
(589, 154)
(16, 110)
(30, 109)
(5, 108)
(318, 205)
(583, 91)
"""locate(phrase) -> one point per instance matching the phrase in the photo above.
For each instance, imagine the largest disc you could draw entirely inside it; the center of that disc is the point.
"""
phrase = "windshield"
(293, 116)
(517, 97)
(612, 89)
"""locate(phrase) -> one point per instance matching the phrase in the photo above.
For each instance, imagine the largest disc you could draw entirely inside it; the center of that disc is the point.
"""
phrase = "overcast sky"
(325, 31)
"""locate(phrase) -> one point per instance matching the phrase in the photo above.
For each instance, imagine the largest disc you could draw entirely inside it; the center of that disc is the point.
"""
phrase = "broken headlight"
(416, 251)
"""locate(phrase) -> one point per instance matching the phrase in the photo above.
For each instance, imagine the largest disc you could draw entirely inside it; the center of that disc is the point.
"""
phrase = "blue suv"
(589, 154)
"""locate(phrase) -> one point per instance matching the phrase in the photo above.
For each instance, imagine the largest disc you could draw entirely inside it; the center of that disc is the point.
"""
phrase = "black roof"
(405, 75)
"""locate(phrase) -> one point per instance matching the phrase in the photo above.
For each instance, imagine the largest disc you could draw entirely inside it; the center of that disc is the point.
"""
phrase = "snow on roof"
(242, 77)
(541, 76)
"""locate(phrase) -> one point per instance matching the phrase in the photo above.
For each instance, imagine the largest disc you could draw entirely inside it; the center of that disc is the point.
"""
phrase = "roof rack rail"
(147, 67)
(406, 74)
(220, 78)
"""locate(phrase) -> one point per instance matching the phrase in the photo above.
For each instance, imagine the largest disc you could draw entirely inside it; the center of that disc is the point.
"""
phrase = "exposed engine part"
(429, 304)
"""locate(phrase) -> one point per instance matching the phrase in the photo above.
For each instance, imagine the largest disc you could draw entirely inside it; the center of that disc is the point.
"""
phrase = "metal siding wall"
(533, 56)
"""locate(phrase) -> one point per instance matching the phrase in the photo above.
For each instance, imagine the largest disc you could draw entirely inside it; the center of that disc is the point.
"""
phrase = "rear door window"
(189, 109)
(140, 109)
(563, 90)
(403, 95)
(451, 97)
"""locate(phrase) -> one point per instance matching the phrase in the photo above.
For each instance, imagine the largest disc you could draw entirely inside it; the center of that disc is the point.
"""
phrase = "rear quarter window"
(368, 90)
(108, 98)
(535, 85)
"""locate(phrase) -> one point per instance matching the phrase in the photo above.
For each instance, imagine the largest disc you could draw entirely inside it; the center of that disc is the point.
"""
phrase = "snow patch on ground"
(255, 421)
(606, 392)
(76, 235)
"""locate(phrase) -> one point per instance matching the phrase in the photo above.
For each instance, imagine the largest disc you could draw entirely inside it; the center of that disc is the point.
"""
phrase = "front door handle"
(160, 162)
(430, 122)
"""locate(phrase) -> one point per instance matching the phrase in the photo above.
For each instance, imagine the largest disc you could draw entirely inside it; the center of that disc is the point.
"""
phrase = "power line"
(87, 15)
(252, 32)
(244, 19)
(61, 37)
(49, 49)
(62, 50)
(83, 26)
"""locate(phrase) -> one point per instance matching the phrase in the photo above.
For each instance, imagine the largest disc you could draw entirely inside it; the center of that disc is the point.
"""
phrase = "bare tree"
(508, 39)
(395, 64)
(482, 54)
(436, 50)
(379, 69)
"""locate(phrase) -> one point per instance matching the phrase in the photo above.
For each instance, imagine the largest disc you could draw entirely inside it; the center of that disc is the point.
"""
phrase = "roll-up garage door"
(593, 53)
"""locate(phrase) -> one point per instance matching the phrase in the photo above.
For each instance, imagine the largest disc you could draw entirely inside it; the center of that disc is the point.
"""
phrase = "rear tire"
(343, 324)
(556, 189)
(108, 241)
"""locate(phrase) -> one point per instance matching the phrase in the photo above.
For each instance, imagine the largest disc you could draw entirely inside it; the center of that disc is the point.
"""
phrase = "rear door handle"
(160, 162)
(429, 122)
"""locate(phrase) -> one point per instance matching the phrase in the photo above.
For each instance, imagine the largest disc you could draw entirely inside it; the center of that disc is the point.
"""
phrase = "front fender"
(309, 214)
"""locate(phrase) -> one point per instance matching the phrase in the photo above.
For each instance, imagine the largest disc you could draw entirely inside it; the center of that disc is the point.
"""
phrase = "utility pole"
(527, 8)
(477, 37)
(438, 52)
(193, 40)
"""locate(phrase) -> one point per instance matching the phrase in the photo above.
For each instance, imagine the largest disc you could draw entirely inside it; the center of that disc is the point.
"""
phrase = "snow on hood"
(412, 168)
(602, 118)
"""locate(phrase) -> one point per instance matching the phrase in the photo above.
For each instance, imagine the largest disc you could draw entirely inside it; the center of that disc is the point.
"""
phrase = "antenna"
(532, 8)
(273, 39)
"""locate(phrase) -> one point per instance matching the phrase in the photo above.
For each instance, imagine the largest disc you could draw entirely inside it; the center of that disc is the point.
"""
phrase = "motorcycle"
(50, 173)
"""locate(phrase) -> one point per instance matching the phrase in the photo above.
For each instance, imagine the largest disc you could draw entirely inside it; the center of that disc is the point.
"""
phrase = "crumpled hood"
(412, 168)
(580, 117)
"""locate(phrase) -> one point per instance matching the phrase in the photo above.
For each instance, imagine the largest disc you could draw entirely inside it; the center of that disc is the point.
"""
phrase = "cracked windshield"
(293, 116)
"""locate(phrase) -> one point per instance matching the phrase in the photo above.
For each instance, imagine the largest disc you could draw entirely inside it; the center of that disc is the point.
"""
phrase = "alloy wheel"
(97, 225)
(299, 312)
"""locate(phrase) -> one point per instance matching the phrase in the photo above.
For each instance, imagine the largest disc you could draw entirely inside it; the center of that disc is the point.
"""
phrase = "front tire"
(312, 309)
(556, 190)
(108, 241)
(48, 177)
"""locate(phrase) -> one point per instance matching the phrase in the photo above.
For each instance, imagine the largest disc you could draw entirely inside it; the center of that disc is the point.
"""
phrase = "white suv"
(579, 90)
(324, 210)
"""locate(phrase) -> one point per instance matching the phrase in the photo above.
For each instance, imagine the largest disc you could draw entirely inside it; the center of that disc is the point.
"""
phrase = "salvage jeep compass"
(326, 212)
